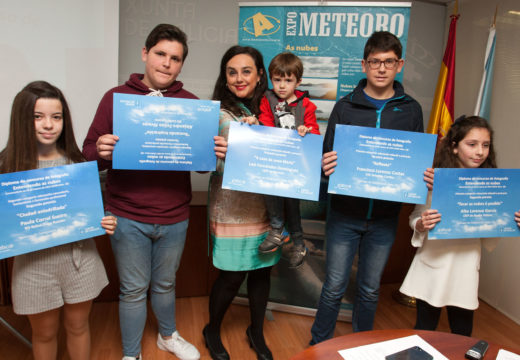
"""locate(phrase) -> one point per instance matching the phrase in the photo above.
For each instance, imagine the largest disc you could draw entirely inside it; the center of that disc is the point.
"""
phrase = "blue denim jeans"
(147, 256)
(285, 210)
(345, 236)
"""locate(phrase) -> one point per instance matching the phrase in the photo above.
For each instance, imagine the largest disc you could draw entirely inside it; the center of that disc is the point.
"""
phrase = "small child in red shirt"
(286, 107)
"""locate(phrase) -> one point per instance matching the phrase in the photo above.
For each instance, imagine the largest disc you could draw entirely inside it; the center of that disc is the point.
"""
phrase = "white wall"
(500, 270)
(71, 44)
(424, 53)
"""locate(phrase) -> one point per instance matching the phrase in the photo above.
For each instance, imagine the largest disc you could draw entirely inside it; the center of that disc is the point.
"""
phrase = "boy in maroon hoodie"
(152, 207)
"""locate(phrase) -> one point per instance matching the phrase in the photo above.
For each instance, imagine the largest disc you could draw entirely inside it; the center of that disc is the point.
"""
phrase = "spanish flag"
(441, 116)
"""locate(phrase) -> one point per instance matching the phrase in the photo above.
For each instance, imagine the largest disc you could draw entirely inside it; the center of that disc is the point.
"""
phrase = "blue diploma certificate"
(381, 163)
(273, 161)
(476, 203)
(162, 133)
(49, 207)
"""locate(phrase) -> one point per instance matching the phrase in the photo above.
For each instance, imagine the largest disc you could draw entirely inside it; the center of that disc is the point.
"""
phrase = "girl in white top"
(64, 277)
(446, 272)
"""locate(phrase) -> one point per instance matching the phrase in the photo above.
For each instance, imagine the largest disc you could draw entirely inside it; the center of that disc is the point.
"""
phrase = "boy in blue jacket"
(354, 223)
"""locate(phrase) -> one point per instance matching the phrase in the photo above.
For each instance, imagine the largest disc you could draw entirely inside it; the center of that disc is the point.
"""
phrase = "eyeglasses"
(375, 64)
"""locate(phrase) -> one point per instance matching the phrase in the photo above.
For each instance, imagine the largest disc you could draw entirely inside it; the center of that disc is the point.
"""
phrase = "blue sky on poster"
(48, 207)
(162, 133)
(388, 164)
(475, 203)
(273, 161)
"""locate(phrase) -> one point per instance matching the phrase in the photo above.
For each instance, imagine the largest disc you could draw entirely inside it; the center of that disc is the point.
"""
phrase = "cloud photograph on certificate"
(384, 188)
(272, 161)
(48, 207)
(475, 203)
(489, 226)
(70, 224)
(162, 133)
(381, 163)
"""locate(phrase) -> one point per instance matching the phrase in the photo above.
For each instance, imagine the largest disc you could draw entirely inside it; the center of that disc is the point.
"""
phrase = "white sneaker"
(139, 357)
(178, 346)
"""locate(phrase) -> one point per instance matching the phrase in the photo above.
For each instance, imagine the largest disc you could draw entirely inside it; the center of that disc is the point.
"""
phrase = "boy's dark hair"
(446, 158)
(221, 92)
(383, 41)
(21, 151)
(286, 64)
(167, 32)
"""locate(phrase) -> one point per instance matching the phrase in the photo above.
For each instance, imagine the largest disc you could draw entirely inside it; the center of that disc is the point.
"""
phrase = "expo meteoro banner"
(329, 38)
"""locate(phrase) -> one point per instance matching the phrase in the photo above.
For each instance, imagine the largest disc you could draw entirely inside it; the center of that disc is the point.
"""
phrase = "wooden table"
(452, 346)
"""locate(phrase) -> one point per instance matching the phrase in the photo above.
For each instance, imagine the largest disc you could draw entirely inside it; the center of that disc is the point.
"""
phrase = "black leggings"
(226, 288)
(460, 320)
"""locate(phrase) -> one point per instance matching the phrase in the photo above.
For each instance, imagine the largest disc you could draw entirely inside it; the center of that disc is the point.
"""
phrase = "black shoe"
(259, 346)
(217, 351)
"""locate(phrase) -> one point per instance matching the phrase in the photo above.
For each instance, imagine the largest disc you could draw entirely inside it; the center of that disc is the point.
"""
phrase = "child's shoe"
(297, 256)
(273, 241)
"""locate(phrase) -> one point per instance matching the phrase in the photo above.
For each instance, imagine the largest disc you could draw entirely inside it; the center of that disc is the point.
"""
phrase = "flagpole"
(483, 104)
(456, 8)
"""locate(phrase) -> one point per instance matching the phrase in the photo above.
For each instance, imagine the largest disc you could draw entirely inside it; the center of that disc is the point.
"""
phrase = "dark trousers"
(460, 320)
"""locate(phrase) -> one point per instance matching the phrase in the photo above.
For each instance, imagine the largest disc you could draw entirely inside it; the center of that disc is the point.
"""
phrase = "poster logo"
(261, 25)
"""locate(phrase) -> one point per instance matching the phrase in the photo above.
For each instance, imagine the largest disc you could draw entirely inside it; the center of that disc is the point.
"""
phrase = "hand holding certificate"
(49, 207)
(161, 133)
(272, 161)
(381, 163)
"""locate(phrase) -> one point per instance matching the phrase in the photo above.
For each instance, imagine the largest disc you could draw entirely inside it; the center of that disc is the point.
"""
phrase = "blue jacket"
(401, 112)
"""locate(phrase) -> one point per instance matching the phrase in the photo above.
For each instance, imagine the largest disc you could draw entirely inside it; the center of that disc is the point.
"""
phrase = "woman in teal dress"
(238, 220)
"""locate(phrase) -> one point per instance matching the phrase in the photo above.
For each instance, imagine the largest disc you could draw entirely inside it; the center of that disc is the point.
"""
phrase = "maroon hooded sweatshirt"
(154, 197)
